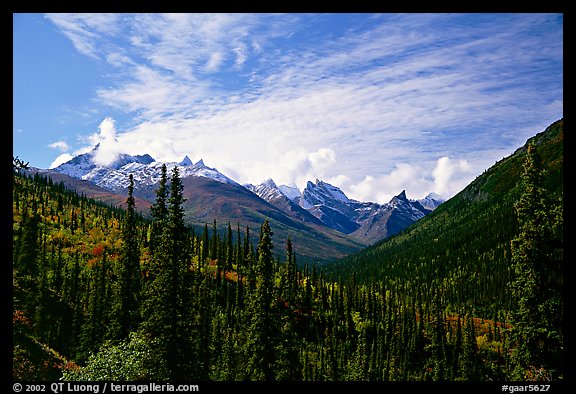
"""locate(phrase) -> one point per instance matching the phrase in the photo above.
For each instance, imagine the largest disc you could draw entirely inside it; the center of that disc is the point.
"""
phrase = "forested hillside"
(464, 248)
(101, 293)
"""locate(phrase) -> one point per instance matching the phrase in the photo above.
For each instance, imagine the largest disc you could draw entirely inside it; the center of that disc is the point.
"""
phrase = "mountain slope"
(466, 240)
(91, 190)
(366, 222)
(208, 200)
(274, 195)
(389, 219)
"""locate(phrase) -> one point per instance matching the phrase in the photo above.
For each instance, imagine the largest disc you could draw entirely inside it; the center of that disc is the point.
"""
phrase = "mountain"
(431, 201)
(276, 196)
(291, 192)
(366, 222)
(323, 209)
(463, 246)
(210, 196)
(329, 204)
(208, 200)
(389, 219)
(145, 169)
(90, 190)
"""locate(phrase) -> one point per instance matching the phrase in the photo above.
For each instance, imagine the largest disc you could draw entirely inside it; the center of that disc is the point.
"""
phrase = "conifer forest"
(471, 292)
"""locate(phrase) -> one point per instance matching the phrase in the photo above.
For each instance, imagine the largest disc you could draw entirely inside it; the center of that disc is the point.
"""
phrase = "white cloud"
(62, 146)
(414, 179)
(322, 159)
(109, 149)
(63, 158)
(370, 109)
(450, 176)
(214, 61)
(86, 30)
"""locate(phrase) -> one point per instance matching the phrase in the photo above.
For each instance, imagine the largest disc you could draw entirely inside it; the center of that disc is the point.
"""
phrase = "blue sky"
(372, 103)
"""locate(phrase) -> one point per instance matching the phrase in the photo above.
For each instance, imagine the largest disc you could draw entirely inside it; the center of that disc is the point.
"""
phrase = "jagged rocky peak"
(402, 196)
(186, 161)
(328, 190)
(200, 163)
(399, 199)
(270, 183)
(292, 192)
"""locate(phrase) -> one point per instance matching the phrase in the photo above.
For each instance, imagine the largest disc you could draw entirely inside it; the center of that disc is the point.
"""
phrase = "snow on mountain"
(322, 193)
(266, 190)
(320, 202)
(145, 170)
(431, 201)
(366, 221)
(413, 209)
(186, 162)
(292, 192)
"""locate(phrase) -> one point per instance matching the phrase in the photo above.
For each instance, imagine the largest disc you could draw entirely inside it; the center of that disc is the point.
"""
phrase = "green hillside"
(463, 247)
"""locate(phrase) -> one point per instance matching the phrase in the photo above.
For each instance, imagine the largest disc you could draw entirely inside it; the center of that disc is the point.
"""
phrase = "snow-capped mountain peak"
(320, 202)
(292, 192)
(334, 191)
(267, 190)
(431, 201)
(270, 183)
(322, 193)
(144, 168)
(186, 161)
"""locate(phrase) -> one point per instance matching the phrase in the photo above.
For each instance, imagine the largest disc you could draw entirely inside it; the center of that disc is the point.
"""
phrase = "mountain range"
(332, 224)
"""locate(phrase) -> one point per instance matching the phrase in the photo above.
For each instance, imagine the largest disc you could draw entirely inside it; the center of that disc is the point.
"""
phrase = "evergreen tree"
(27, 257)
(537, 271)
(261, 336)
(126, 312)
(290, 273)
(468, 362)
(229, 248)
(214, 242)
(205, 244)
(159, 210)
(168, 312)
(93, 329)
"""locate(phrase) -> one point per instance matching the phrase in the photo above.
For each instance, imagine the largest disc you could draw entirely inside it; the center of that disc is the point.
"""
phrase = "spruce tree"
(159, 210)
(261, 335)
(126, 311)
(180, 343)
(229, 248)
(537, 272)
(169, 306)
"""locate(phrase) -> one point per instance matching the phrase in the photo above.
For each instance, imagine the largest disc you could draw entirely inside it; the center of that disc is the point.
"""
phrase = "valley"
(444, 298)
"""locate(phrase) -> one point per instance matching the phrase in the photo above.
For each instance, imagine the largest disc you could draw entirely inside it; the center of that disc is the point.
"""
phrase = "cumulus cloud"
(448, 175)
(62, 146)
(414, 179)
(108, 149)
(61, 159)
(321, 159)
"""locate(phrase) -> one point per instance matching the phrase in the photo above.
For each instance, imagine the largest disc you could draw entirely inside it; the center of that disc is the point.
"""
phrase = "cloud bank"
(374, 103)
